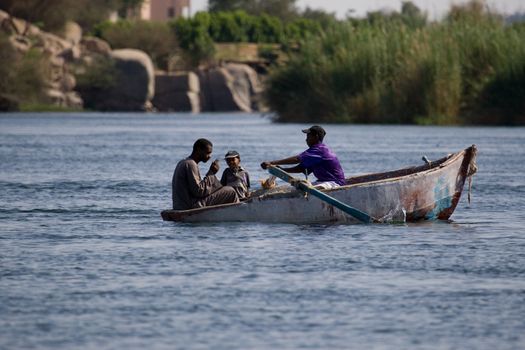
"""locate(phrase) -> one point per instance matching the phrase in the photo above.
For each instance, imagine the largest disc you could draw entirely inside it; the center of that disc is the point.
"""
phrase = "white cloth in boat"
(325, 185)
(320, 185)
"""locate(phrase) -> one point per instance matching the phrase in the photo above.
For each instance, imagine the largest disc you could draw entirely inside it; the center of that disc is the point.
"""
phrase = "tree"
(154, 38)
(51, 15)
(194, 39)
(474, 10)
(284, 9)
(318, 15)
(412, 15)
(228, 5)
(23, 76)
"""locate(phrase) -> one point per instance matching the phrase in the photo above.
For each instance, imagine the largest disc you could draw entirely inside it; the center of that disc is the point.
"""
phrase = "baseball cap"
(232, 154)
(316, 129)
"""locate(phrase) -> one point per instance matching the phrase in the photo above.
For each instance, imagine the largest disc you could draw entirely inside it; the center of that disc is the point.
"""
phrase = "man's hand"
(214, 167)
(265, 165)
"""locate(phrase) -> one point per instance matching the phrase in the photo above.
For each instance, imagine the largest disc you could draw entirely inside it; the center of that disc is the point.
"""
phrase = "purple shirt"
(320, 160)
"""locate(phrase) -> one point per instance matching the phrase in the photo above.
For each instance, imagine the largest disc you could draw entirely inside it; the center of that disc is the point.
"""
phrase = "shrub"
(466, 70)
(194, 38)
(154, 38)
(267, 29)
(94, 79)
(51, 15)
(23, 76)
(229, 26)
(197, 35)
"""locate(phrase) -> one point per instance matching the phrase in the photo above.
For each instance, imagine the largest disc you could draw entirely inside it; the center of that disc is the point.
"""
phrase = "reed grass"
(466, 69)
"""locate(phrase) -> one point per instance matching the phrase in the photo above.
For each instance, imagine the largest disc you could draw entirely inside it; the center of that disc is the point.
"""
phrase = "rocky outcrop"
(90, 45)
(231, 87)
(133, 84)
(72, 33)
(73, 81)
(58, 52)
(133, 80)
(226, 88)
(246, 84)
(177, 92)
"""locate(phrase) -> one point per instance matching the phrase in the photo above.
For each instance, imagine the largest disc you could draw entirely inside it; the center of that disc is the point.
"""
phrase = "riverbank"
(388, 68)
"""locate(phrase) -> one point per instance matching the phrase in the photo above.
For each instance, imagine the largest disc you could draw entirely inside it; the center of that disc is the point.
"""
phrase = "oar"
(356, 213)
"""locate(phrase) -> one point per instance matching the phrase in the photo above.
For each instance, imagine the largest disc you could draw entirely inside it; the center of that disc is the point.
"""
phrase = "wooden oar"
(303, 186)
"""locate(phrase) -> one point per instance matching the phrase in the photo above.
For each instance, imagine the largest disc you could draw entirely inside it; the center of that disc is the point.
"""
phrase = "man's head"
(233, 159)
(314, 135)
(202, 150)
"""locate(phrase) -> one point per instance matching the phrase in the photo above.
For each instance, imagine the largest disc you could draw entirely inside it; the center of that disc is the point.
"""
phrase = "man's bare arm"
(289, 160)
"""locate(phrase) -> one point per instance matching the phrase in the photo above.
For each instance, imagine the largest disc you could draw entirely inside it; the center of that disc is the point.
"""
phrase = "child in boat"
(235, 175)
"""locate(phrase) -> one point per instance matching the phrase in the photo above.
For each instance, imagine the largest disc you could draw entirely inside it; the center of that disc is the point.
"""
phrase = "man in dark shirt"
(189, 190)
(318, 158)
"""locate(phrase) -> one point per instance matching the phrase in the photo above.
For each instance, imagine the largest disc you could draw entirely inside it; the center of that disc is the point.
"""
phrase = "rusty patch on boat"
(329, 208)
(447, 212)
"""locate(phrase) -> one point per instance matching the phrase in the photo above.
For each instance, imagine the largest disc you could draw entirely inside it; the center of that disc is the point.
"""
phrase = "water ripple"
(87, 263)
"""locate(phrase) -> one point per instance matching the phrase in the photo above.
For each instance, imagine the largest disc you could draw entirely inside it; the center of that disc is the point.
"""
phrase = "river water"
(87, 263)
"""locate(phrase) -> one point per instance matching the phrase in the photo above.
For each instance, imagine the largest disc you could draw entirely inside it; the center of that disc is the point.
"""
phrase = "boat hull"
(426, 192)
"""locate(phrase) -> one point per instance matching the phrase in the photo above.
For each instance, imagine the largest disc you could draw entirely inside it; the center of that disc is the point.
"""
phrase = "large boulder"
(55, 52)
(92, 45)
(13, 25)
(177, 92)
(139, 67)
(246, 83)
(73, 100)
(20, 43)
(232, 87)
(132, 87)
(51, 44)
(72, 33)
(3, 15)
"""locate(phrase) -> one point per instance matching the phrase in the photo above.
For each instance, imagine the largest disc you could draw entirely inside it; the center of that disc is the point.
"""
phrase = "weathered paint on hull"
(428, 194)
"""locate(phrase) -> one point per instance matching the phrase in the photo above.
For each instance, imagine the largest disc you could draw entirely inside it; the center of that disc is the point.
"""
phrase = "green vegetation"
(468, 69)
(194, 38)
(23, 79)
(386, 68)
(51, 15)
(238, 26)
(154, 38)
(197, 35)
(283, 9)
(95, 80)
(45, 107)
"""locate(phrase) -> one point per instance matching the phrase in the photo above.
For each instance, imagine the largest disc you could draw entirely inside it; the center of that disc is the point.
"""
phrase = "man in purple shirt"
(318, 158)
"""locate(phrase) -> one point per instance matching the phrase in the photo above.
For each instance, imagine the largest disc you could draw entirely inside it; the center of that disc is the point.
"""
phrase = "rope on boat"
(471, 170)
(268, 183)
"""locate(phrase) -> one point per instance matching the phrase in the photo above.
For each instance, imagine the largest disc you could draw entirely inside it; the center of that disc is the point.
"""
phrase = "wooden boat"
(427, 192)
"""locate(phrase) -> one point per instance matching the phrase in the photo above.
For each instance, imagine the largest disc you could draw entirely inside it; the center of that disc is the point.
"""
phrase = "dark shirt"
(320, 160)
(239, 179)
(187, 187)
